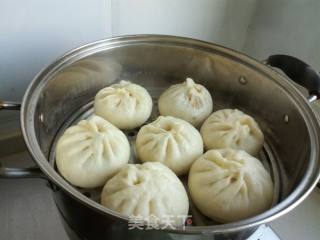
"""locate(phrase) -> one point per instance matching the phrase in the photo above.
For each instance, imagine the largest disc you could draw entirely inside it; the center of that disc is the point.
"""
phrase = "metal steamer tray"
(267, 156)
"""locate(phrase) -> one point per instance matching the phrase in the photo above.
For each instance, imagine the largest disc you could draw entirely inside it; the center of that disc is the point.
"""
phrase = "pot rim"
(304, 188)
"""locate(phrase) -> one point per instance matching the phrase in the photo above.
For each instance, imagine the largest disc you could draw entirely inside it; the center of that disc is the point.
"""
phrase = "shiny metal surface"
(32, 172)
(70, 83)
(312, 98)
(6, 105)
(6, 172)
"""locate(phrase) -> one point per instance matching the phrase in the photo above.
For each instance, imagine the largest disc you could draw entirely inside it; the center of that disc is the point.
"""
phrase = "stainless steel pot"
(62, 94)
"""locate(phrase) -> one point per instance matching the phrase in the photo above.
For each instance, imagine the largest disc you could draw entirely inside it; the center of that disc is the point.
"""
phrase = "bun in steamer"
(171, 141)
(188, 100)
(125, 104)
(89, 153)
(231, 128)
(145, 190)
(229, 185)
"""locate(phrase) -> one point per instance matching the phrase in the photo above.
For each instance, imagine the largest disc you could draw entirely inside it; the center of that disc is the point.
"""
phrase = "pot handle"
(6, 105)
(299, 72)
(31, 172)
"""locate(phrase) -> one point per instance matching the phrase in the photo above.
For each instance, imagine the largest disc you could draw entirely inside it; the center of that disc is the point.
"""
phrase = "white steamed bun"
(171, 141)
(90, 152)
(188, 100)
(146, 190)
(125, 104)
(229, 185)
(231, 128)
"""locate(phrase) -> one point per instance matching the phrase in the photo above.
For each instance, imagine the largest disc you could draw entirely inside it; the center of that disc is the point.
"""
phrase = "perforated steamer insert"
(267, 156)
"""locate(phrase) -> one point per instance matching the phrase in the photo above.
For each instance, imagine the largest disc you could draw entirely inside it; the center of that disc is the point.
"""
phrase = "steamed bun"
(125, 104)
(146, 190)
(171, 141)
(188, 100)
(91, 152)
(229, 185)
(231, 128)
